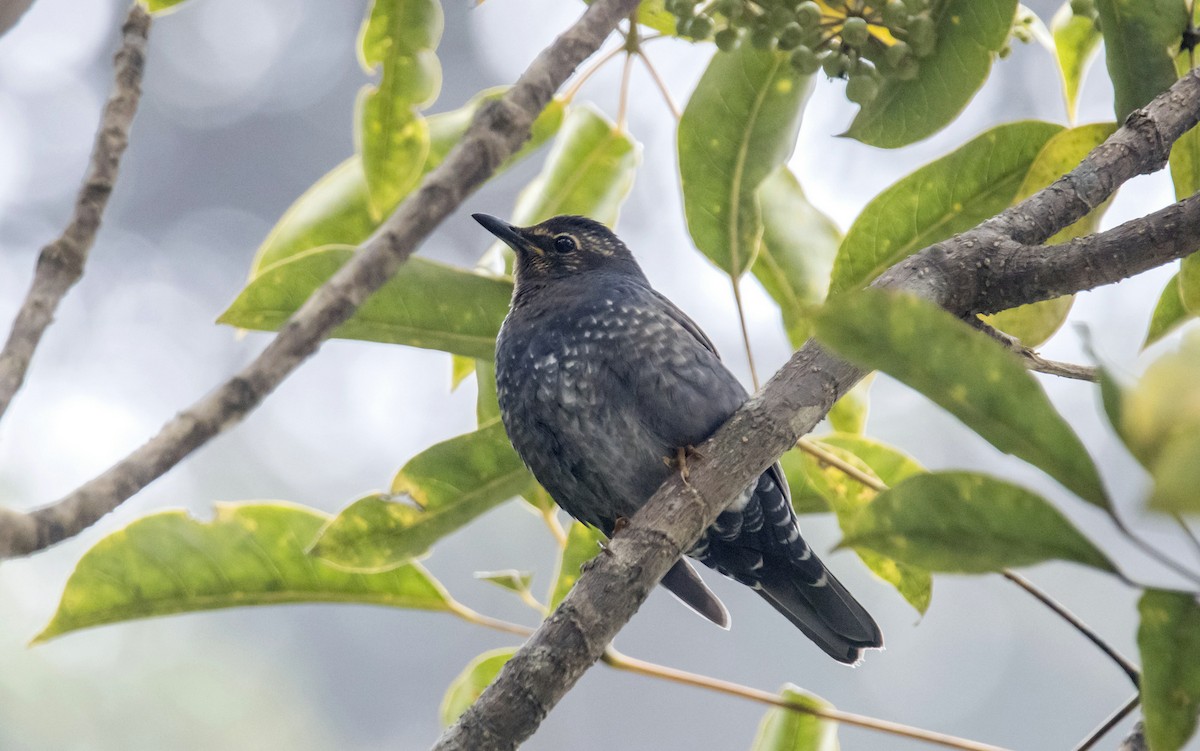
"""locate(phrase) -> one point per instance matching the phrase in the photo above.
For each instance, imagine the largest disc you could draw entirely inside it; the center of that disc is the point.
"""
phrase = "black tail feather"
(683, 582)
(826, 613)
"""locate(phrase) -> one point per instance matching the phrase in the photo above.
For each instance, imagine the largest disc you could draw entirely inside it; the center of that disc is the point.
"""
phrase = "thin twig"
(497, 131)
(590, 71)
(615, 659)
(1131, 670)
(810, 447)
(1187, 531)
(1113, 720)
(623, 101)
(1152, 551)
(60, 264)
(741, 311)
(620, 661)
(556, 528)
(1034, 361)
(661, 84)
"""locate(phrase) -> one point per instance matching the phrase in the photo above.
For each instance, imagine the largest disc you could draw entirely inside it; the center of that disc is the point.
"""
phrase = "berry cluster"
(863, 41)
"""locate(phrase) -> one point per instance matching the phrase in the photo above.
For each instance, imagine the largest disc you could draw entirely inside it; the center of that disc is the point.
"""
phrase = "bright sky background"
(247, 103)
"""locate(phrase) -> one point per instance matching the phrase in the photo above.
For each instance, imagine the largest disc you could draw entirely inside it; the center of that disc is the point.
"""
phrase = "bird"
(602, 380)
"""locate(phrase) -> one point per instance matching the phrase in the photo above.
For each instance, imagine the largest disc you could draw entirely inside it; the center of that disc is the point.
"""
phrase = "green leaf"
(891, 465)
(1034, 324)
(448, 485)
(398, 38)
(849, 413)
(1076, 40)
(738, 127)
(966, 373)
(426, 304)
(969, 32)
(967, 523)
(510, 578)
(461, 368)
(1140, 41)
(1189, 284)
(1169, 641)
(1160, 423)
(1169, 313)
(785, 730)
(583, 543)
(847, 496)
(589, 171)
(471, 682)
(1176, 474)
(806, 499)
(797, 251)
(487, 406)
(336, 210)
(159, 6)
(945, 197)
(249, 554)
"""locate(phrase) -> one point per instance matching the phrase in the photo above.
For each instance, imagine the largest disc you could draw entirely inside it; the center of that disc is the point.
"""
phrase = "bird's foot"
(620, 523)
(680, 460)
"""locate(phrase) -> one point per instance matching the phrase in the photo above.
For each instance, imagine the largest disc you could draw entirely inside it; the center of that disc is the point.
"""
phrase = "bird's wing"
(686, 322)
(682, 389)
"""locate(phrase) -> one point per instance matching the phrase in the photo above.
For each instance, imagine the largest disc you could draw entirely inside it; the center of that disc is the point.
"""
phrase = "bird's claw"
(680, 460)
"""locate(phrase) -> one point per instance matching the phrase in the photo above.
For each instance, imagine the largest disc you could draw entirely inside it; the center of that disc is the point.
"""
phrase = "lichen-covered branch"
(496, 133)
(60, 263)
(995, 266)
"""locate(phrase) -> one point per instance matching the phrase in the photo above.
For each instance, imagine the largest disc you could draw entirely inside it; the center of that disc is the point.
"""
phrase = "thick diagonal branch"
(60, 263)
(496, 133)
(995, 266)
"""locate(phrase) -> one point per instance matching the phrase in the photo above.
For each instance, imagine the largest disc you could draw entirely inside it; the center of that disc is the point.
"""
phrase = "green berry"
(762, 37)
(921, 35)
(895, 14)
(906, 69)
(835, 64)
(805, 61)
(855, 31)
(701, 27)
(791, 37)
(896, 54)
(728, 40)
(808, 14)
(862, 89)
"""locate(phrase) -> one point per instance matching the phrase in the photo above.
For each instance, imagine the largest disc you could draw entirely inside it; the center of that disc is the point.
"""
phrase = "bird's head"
(562, 246)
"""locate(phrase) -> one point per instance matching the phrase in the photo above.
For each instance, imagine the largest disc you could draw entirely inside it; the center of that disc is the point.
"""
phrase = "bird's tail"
(683, 582)
(824, 611)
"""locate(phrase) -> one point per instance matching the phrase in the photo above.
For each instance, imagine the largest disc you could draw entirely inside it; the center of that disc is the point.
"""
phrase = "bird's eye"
(564, 244)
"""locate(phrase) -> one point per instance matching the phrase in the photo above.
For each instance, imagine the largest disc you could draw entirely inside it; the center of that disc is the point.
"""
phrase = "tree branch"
(973, 272)
(60, 263)
(496, 132)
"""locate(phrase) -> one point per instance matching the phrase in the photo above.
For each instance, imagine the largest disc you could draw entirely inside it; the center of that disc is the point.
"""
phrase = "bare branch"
(973, 272)
(1131, 670)
(1109, 723)
(60, 263)
(497, 132)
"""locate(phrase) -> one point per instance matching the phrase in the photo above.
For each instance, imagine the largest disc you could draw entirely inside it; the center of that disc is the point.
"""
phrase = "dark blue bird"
(602, 381)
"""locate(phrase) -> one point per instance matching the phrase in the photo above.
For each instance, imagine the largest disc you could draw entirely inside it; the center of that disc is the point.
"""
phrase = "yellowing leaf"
(249, 554)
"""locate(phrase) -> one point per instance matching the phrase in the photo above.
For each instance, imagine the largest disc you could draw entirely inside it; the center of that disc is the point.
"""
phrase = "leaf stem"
(615, 659)
(662, 86)
(555, 527)
(479, 619)
(741, 311)
(590, 71)
(623, 103)
(619, 661)
(812, 448)
(1123, 662)
(1152, 551)
(1095, 736)
(1191, 535)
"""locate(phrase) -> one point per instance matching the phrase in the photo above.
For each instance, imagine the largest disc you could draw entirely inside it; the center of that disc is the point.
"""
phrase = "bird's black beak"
(511, 235)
